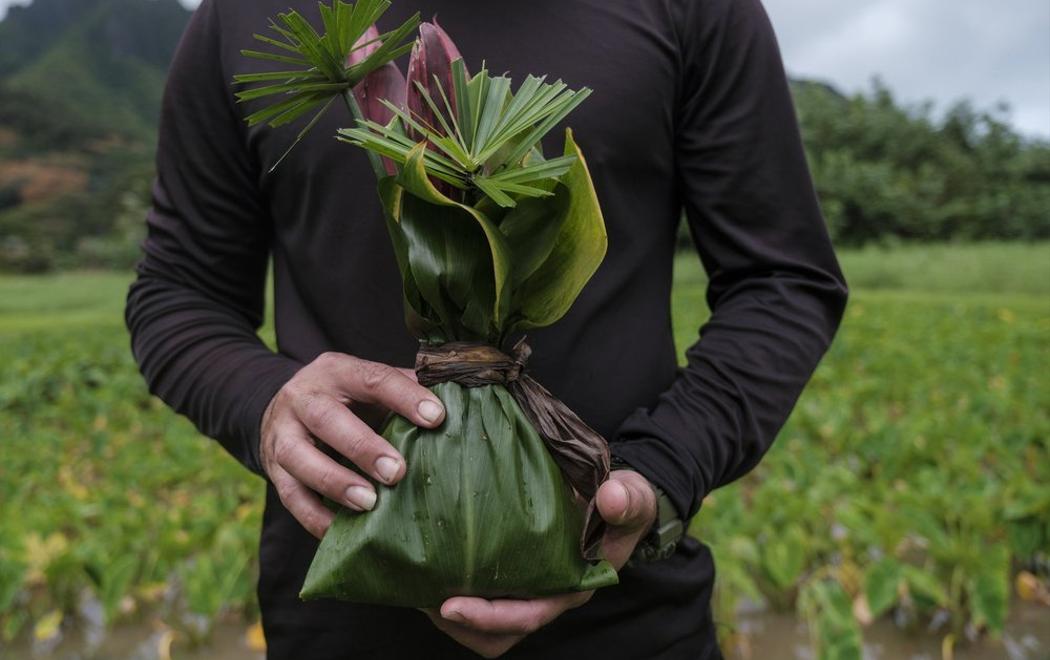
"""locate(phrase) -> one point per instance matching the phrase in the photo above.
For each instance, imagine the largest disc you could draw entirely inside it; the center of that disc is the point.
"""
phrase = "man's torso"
(337, 288)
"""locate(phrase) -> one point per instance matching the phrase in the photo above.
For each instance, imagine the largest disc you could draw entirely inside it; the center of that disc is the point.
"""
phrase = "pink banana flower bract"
(429, 65)
(432, 57)
(386, 82)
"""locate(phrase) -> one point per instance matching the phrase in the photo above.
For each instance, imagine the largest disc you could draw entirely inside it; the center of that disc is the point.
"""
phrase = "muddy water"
(763, 636)
(768, 636)
(139, 642)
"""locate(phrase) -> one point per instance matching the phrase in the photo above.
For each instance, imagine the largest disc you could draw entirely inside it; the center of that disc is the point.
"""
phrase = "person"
(691, 110)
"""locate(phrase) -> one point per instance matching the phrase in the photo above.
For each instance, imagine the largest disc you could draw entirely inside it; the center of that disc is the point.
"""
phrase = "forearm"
(741, 382)
(776, 292)
(204, 362)
(197, 303)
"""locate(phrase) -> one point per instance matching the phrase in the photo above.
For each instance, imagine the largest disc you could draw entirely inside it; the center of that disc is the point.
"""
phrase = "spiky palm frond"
(483, 139)
(317, 69)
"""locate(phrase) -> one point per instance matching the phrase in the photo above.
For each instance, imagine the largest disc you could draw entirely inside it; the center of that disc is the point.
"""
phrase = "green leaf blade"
(578, 250)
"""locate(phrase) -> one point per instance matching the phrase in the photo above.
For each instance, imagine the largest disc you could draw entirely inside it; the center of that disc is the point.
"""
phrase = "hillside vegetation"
(80, 87)
(94, 65)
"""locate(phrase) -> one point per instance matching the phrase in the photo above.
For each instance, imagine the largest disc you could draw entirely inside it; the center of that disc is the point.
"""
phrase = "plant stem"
(355, 110)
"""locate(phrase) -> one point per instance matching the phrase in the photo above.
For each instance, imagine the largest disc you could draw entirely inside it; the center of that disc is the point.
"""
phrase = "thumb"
(627, 500)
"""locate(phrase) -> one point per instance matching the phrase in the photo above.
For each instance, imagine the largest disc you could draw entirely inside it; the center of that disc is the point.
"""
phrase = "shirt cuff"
(659, 462)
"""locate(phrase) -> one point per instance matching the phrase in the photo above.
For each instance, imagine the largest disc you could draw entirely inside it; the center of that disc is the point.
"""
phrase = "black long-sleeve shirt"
(690, 109)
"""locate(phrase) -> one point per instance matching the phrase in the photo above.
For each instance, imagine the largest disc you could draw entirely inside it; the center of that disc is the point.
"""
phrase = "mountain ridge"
(98, 63)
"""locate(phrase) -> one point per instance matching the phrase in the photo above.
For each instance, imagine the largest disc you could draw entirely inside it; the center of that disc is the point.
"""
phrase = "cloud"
(4, 4)
(943, 50)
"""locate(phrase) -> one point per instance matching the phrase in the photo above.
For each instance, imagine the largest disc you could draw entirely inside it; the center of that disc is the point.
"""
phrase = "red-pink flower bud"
(387, 82)
(432, 57)
(365, 46)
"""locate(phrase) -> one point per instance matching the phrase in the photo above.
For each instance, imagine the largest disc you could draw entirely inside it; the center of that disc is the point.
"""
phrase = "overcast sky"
(923, 49)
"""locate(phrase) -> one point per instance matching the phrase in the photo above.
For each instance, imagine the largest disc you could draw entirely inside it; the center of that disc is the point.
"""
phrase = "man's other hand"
(491, 627)
(315, 406)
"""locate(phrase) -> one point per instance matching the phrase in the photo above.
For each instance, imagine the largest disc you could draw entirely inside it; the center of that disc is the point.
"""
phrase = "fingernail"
(454, 615)
(430, 410)
(361, 497)
(387, 468)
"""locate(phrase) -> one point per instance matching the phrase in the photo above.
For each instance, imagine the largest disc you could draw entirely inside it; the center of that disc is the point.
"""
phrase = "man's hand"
(491, 627)
(314, 407)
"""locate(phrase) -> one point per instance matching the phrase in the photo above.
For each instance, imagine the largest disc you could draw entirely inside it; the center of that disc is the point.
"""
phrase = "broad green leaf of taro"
(880, 585)
(552, 271)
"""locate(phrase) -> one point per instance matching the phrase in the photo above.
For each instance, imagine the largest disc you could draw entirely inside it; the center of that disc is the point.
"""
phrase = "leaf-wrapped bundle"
(492, 239)
(486, 508)
(483, 510)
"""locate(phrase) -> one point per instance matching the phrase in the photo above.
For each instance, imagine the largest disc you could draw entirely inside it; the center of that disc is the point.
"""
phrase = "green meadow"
(912, 483)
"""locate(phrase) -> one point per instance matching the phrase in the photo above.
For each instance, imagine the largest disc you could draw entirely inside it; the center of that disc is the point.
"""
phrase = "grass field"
(912, 482)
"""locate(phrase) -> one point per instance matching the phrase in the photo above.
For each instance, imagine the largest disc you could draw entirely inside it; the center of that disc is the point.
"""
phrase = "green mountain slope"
(80, 89)
(27, 32)
(97, 63)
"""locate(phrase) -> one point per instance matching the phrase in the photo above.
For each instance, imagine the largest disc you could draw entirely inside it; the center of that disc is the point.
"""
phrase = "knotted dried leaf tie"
(580, 452)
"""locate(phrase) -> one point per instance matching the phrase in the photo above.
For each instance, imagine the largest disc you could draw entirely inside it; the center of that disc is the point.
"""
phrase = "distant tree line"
(887, 172)
(884, 173)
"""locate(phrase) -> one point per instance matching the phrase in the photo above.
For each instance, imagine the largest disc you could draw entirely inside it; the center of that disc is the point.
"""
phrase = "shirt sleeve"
(197, 303)
(775, 290)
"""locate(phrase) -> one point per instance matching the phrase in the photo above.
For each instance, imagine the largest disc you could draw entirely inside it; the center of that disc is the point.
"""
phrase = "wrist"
(667, 530)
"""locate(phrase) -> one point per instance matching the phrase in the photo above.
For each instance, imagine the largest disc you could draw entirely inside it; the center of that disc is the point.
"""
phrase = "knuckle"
(292, 391)
(356, 444)
(309, 520)
(282, 451)
(373, 374)
(311, 515)
(266, 441)
(284, 493)
(318, 411)
(331, 482)
(328, 359)
(268, 460)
